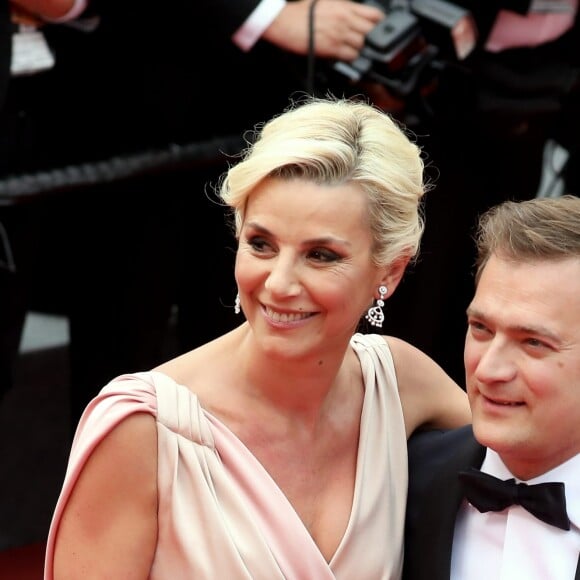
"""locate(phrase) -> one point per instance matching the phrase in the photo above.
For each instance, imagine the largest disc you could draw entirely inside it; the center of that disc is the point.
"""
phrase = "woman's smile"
(285, 317)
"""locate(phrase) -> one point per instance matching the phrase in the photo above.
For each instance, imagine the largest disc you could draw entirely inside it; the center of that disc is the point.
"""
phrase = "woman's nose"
(283, 279)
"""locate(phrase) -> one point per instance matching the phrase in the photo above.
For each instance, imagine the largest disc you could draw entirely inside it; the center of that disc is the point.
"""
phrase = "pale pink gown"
(221, 516)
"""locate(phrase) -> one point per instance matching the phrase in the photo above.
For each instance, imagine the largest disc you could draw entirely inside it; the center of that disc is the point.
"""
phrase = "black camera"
(416, 38)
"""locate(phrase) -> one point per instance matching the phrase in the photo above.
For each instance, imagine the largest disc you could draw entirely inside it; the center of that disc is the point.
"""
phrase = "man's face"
(522, 361)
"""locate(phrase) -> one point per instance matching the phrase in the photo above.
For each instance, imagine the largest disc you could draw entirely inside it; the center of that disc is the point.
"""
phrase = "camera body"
(413, 40)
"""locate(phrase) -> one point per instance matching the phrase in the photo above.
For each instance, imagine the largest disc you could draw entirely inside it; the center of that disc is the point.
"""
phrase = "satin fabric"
(220, 513)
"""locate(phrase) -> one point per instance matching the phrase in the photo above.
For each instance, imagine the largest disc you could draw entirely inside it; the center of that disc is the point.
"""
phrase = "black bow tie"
(546, 501)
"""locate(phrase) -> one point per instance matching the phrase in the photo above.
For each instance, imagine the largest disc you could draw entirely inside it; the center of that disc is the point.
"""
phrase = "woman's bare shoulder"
(113, 505)
(429, 396)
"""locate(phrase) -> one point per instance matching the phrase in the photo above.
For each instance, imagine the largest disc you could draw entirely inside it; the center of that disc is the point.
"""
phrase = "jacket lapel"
(435, 496)
(466, 453)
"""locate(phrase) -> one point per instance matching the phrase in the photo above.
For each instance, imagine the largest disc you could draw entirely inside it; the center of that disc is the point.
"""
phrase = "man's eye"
(536, 343)
(477, 328)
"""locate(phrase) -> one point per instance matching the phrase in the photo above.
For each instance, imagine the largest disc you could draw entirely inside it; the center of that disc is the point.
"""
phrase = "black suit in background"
(484, 141)
(9, 332)
(5, 48)
(117, 254)
(434, 498)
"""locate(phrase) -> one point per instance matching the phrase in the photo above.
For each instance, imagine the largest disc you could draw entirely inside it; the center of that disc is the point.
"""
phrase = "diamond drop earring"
(237, 306)
(375, 314)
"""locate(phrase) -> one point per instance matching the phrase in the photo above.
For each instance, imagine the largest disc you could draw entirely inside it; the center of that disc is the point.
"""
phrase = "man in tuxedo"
(522, 361)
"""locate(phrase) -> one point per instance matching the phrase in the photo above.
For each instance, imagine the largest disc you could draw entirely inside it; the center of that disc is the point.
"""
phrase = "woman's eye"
(258, 244)
(323, 255)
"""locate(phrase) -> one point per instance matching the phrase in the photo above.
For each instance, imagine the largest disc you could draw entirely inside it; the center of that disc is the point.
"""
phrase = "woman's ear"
(394, 273)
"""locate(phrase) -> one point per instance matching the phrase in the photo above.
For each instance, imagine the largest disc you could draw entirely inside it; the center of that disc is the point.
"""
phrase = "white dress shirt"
(263, 15)
(513, 544)
(30, 51)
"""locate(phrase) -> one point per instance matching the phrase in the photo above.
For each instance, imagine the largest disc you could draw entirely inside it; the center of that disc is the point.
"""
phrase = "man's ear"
(394, 273)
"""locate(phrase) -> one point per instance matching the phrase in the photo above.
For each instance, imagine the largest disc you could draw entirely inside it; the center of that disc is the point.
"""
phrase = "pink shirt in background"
(512, 30)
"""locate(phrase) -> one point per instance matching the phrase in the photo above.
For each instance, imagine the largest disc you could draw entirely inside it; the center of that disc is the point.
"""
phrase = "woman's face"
(304, 268)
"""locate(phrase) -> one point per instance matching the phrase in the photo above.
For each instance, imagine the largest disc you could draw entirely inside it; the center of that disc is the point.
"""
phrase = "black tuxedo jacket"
(435, 458)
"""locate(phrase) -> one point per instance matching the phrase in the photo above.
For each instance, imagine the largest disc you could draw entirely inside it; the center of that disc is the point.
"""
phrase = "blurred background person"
(25, 56)
(140, 110)
(486, 127)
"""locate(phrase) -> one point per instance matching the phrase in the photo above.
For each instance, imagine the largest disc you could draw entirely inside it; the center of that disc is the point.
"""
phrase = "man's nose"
(497, 363)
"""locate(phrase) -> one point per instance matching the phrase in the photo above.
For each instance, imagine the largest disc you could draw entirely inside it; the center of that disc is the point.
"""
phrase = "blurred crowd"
(111, 141)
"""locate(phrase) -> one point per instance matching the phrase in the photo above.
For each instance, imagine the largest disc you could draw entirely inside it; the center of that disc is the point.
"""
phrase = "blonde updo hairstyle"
(334, 141)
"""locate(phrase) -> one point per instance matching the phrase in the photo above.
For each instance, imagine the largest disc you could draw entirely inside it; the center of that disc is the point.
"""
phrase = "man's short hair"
(532, 230)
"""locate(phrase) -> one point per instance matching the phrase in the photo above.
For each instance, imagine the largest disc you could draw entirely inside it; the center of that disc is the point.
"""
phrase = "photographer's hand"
(340, 27)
